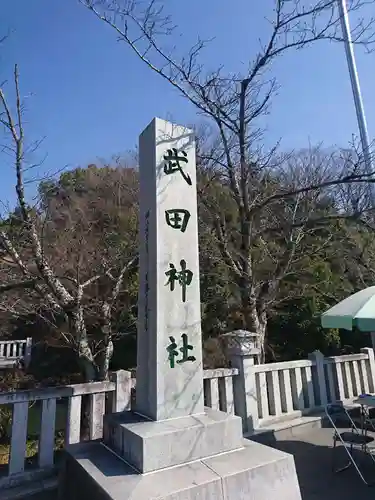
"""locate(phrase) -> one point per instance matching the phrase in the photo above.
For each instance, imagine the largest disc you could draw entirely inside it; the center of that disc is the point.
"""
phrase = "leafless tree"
(62, 280)
(264, 199)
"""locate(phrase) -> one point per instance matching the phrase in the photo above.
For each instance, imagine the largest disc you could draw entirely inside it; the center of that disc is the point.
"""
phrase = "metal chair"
(352, 439)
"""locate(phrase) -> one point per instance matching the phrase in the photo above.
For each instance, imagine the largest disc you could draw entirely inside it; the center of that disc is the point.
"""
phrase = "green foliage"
(5, 421)
(295, 331)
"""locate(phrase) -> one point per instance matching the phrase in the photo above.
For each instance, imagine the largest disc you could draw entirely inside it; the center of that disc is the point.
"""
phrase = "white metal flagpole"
(362, 124)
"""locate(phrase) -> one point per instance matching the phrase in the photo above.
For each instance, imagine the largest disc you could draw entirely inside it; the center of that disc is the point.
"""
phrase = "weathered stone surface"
(240, 343)
(150, 446)
(255, 472)
(169, 242)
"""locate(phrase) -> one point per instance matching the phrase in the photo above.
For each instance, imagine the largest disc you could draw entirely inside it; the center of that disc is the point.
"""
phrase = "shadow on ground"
(313, 459)
(46, 495)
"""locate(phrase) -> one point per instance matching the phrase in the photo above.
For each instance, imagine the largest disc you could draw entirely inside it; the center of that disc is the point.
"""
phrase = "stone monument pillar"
(171, 447)
(169, 360)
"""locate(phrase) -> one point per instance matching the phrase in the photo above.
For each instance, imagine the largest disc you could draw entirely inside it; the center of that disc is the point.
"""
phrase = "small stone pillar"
(241, 348)
(370, 367)
(318, 358)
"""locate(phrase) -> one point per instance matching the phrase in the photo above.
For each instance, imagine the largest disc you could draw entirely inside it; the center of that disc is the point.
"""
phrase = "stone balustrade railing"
(260, 393)
(283, 389)
(13, 350)
(351, 375)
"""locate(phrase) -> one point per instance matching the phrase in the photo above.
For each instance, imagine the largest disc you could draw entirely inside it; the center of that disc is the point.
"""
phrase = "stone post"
(121, 400)
(169, 342)
(318, 358)
(241, 350)
(28, 348)
(371, 367)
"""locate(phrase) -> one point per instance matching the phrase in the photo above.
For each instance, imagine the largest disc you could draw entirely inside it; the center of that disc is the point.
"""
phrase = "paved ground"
(313, 457)
(48, 495)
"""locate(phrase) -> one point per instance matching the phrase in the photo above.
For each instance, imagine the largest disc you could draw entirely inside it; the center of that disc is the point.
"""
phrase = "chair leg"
(333, 454)
(348, 445)
(341, 469)
(353, 462)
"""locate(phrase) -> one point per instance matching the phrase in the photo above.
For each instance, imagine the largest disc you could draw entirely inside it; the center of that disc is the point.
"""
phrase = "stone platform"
(197, 457)
(254, 472)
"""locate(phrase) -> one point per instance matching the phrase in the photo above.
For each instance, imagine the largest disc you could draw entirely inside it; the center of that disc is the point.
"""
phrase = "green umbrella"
(357, 310)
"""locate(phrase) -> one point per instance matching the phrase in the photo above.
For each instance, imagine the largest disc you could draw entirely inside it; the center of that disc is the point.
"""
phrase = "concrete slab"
(140, 441)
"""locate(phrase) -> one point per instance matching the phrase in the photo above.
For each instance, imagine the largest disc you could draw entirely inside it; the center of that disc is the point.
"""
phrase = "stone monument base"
(149, 446)
(254, 472)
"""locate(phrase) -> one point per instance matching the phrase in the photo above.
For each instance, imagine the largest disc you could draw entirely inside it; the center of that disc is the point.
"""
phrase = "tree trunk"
(107, 352)
(262, 332)
(79, 331)
(254, 321)
(104, 361)
(89, 371)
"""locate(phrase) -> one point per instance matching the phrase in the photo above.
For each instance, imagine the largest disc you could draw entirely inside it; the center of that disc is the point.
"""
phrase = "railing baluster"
(348, 376)
(340, 381)
(366, 386)
(300, 401)
(47, 433)
(73, 426)
(286, 392)
(357, 380)
(310, 387)
(331, 385)
(18, 439)
(263, 393)
(274, 394)
(212, 393)
(226, 394)
(97, 410)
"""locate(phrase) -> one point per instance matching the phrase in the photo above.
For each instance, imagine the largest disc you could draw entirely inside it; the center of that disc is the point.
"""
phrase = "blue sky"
(90, 96)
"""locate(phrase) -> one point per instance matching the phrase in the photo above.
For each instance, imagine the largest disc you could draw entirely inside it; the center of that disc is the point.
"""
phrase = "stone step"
(287, 429)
